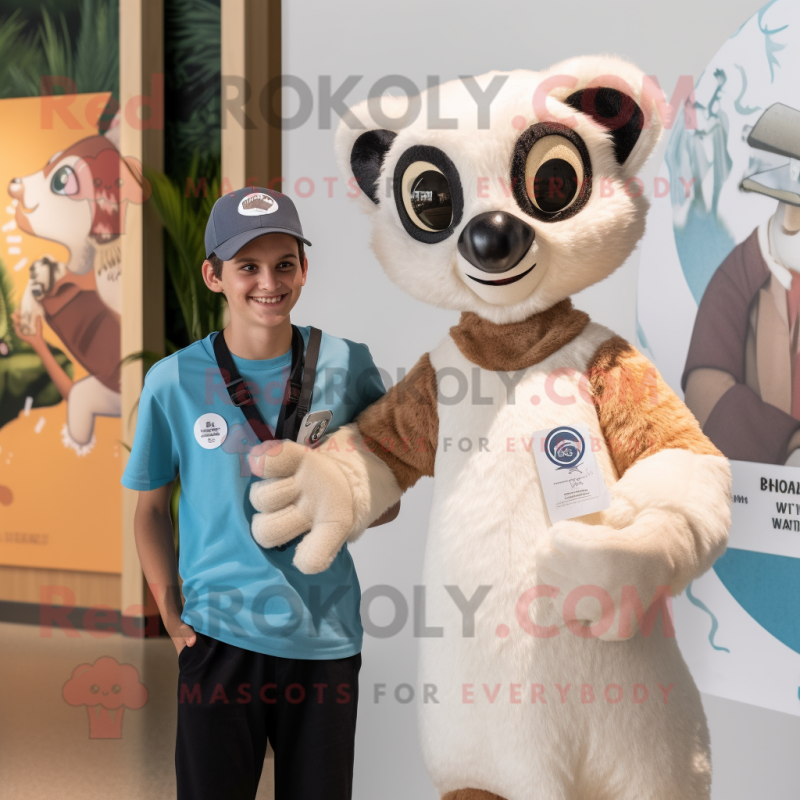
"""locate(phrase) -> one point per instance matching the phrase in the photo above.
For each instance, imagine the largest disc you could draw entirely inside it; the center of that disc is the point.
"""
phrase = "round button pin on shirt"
(210, 431)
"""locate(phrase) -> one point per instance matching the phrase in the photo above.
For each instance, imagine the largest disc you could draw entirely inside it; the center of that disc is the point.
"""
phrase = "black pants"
(231, 701)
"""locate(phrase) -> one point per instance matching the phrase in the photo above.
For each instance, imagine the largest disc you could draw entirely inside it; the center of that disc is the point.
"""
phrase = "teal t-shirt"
(235, 590)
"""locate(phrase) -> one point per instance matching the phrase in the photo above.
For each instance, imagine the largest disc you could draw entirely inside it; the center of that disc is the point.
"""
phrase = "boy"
(264, 651)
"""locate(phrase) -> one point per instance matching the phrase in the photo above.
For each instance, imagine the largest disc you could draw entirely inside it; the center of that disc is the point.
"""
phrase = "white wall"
(348, 295)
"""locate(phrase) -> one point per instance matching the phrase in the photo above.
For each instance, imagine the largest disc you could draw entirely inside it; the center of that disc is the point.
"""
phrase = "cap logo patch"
(256, 204)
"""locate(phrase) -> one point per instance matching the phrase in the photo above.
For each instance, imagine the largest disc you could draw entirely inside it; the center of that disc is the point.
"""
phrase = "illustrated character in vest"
(545, 635)
(742, 374)
(79, 199)
(72, 307)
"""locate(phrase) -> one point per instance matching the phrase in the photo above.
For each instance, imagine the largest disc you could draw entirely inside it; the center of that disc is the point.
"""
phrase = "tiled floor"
(45, 746)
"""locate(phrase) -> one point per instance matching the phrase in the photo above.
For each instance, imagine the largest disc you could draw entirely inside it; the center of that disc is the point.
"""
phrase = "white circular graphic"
(210, 431)
(256, 204)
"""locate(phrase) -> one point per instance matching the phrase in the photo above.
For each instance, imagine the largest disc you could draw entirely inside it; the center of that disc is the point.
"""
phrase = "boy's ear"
(209, 278)
(617, 96)
(362, 145)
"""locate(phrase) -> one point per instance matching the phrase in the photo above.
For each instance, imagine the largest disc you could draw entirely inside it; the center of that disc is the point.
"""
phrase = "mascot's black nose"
(495, 241)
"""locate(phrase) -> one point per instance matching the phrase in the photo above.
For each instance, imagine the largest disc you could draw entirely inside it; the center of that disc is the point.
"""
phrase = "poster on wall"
(64, 190)
(718, 312)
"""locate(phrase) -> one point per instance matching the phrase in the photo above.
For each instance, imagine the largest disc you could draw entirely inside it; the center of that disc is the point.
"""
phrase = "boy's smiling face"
(262, 282)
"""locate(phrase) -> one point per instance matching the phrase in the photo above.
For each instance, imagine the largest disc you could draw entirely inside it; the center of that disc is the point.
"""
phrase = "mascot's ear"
(608, 106)
(362, 144)
(617, 96)
(366, 160)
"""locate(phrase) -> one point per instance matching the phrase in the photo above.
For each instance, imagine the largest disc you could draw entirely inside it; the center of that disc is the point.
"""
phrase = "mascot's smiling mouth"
(503, 281)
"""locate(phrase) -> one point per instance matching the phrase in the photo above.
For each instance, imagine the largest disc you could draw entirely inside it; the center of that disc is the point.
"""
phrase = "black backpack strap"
(298, 390)
(297, 394)
(309, 371)
(294, 418)
(242, 398)
(237, 389)
(293, 389)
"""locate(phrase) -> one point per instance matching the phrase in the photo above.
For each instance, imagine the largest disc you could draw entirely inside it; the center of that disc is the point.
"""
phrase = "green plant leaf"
(7, 332)
(56, 49)
(184, 217)
(97, 49)
(149, 357)
(91, 61)
(19, 58)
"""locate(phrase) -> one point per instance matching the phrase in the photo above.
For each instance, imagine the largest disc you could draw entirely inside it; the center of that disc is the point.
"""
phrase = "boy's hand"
(182, 635)
(304, 491)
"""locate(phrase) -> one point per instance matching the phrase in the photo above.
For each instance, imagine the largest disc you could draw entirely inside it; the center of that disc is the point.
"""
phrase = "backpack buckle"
(241, 396)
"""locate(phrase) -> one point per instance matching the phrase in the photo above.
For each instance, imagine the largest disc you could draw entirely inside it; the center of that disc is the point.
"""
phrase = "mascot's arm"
(389, 446)
(402, 428)
(335, 491)
(670, 512)
(664, 461)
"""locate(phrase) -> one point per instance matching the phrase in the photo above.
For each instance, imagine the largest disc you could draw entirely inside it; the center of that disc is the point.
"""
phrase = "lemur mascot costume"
(504, 222)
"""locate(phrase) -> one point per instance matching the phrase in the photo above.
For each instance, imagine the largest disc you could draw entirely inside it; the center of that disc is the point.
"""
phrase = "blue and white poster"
(718, 312)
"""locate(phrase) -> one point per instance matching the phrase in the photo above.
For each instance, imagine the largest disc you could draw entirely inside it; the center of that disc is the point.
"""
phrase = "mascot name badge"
(568, 472)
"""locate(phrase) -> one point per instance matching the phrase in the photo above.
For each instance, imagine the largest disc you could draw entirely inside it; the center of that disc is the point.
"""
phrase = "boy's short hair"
(216, 261)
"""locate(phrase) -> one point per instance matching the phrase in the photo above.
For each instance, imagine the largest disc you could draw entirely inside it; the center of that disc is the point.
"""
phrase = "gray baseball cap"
(241, 216)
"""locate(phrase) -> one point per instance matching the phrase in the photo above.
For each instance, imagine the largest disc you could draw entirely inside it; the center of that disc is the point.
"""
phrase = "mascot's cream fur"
(528, 686)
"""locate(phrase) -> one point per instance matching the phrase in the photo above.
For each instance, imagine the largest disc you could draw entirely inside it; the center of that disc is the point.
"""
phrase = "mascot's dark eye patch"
(551, 173)
(64, 181)
(428, 195)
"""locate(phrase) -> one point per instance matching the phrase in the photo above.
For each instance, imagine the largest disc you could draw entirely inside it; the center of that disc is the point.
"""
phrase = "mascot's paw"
(303, 491)
(619, 514)
(595, 567)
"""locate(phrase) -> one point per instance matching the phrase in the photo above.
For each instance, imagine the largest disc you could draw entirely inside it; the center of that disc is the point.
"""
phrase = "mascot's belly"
(501, 722)
(489, 512)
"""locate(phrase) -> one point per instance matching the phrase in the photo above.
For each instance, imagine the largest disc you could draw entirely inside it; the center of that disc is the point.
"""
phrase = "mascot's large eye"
(64, 181)
(551, 172)
(426, 196)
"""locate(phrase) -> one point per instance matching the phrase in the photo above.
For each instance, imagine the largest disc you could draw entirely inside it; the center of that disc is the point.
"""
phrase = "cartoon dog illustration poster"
(67, 189)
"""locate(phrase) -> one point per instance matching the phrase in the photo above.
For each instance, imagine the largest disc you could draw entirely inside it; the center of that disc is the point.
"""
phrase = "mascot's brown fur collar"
(517, 345)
